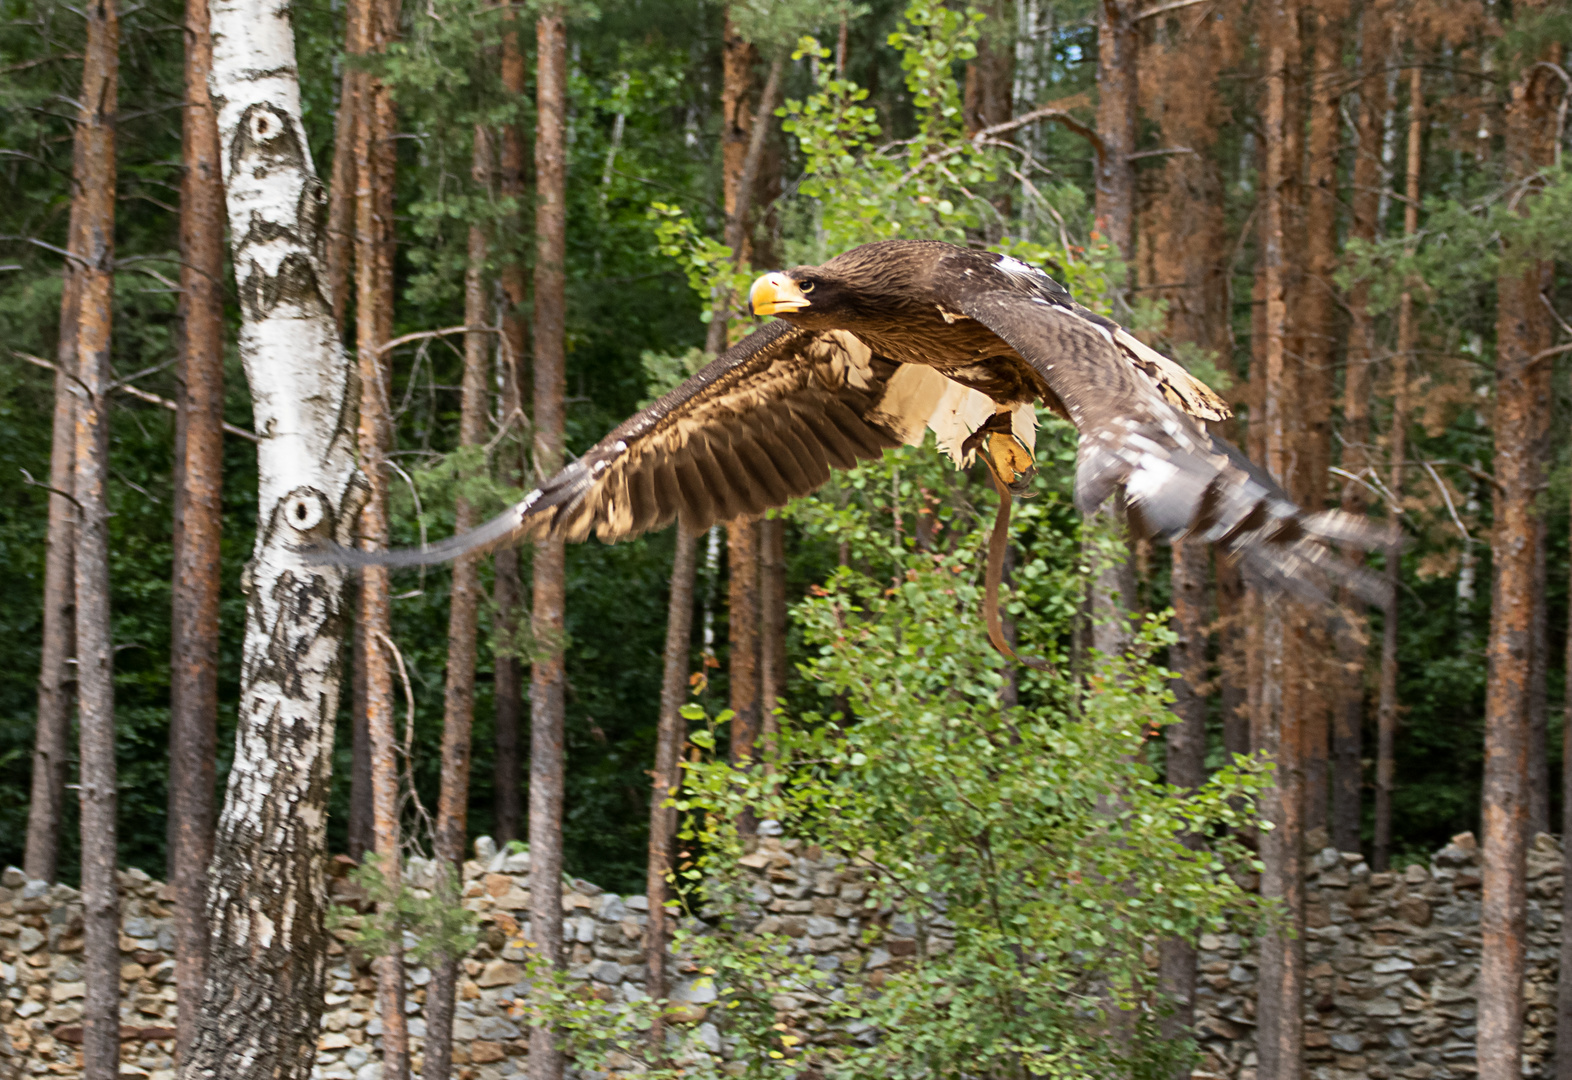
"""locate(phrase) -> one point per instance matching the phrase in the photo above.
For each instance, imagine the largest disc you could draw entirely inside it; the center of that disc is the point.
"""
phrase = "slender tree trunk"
(1348, 723)
(1114, 591)
(360, 839)
(1232, 645)
(1318, 329)
(1186, 756)
(267, 953)
(990, 75)
(341, 197)
(742, 551)
(1277, 724)
(1538, 815)
(95, 183)
(1522, 392)
(772, 629)
(547, 679)
(670, 734)
(1564, 975)
(369, 32)
(1386, 716)
(51, 741)
(1116, 124)
(199, 475)
(740, 175)
(509, 589)
(463, 621)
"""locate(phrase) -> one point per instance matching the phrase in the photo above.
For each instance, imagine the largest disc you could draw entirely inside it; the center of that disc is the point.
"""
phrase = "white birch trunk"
(266, 886)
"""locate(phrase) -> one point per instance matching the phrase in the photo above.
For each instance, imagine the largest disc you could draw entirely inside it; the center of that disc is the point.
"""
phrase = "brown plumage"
(886, 341)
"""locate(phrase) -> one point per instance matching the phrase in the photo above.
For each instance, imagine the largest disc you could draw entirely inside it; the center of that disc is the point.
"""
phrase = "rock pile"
(1391, 961)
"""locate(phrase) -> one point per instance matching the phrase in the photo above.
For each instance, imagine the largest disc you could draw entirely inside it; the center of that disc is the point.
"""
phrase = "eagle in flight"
(892, 339)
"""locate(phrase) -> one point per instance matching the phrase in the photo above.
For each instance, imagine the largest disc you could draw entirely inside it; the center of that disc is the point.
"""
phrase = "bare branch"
(1163, 9)
(421, 335)
(134, 391)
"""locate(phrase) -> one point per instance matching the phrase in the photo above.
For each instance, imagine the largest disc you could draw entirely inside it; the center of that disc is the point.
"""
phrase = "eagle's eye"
(806, 287)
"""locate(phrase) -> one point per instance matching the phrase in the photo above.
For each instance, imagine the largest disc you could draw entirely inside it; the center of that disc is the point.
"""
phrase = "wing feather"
(752, 429)
(1179, 479)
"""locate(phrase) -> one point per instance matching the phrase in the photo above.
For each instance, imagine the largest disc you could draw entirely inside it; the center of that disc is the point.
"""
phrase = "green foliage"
(1040, 836)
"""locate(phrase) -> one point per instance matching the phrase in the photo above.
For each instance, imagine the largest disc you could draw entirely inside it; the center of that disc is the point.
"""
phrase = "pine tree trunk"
(1116, 124)
(267, 953)
(463, 622)
(1522, 392)
(56, 678)
(1317, 323)
(1348, 721)
(95, 183)
(1397, 442)
(772, 629)
(508, 689)
(1564, 975)
(990, 75)
(670, 734)
(341, 196)
(369, 33)
(546, 673)
(199, 475)
(1538, 815)
(742, 555)
(360, 838)
(1276, 724)
(1185, 742)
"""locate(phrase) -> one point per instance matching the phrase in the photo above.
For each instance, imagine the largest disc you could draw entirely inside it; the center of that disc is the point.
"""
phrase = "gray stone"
(485, 849)
(29, 939)
(12, 878)
(370, 1071)
(710, 1037)
(700, 991)
(1347, 1043)
(417, 1028)
(821, 927)
(496, 1028)
(35, 890)
(769, 827)
(612, 908)
(605, 971)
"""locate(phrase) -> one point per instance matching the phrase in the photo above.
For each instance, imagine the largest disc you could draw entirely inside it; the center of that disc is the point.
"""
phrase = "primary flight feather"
(887, 341)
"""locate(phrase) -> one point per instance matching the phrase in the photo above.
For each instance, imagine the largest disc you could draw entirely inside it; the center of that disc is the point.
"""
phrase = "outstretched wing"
(759, 426)
(1135, 421)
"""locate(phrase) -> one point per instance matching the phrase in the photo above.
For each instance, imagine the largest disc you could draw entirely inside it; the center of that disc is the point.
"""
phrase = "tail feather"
(1177, 489)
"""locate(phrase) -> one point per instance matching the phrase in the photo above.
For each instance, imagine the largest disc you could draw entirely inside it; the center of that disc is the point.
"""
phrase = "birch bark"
(267, 955)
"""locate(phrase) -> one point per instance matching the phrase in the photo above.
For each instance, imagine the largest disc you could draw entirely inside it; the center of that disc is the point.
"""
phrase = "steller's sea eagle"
(892, 339)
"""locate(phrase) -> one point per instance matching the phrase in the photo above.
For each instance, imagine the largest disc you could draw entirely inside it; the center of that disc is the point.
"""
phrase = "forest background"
(648, 75)
(1130, 149)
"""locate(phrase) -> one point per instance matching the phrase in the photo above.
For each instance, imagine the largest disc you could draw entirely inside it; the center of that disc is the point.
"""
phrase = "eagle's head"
(806, 296)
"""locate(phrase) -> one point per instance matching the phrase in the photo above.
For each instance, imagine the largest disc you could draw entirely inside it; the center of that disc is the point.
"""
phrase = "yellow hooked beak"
(775, 293)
